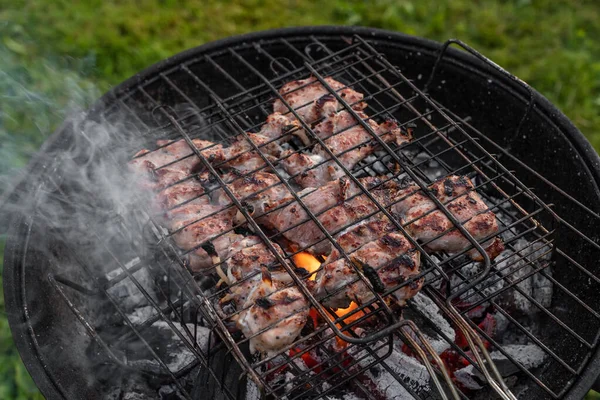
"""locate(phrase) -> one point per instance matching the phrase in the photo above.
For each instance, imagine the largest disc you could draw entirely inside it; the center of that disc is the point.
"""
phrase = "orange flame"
(308, 262)
(311, 264)
(342, 312)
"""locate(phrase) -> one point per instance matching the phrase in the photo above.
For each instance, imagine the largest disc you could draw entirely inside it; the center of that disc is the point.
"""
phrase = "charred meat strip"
(311, 100)
(386, 262)
(346, 139)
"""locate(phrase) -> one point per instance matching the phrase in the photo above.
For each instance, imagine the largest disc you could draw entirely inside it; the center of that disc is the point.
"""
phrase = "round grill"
(104, 302)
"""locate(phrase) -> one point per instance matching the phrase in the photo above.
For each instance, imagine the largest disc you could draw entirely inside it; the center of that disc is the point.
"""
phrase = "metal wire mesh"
(231, 109)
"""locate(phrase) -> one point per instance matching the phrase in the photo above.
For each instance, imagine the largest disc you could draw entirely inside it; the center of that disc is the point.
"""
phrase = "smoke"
(87, 217)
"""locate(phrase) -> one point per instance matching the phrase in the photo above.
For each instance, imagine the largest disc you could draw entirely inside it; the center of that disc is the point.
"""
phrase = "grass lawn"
(57, 54)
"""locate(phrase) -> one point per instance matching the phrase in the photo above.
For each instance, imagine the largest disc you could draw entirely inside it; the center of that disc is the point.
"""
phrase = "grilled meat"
(281, 311)
(387, 262)
(334, 217)
(205, 229)
(360, 234)
(459, 197)
(346, 139)
(213, 253)
(259, 193)
(172, 161)
(282, 128)
(311, 100)
(249, 261)
(194, 224)
(189, 191)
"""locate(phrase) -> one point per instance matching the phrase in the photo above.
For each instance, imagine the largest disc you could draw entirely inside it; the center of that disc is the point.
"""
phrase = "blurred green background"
(56, 55)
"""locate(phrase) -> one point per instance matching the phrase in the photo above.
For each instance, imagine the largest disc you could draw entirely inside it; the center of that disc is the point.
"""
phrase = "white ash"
(467, 377)
(126, 293)
(377, 162)
(430, 167)
(515, 266)
(413, 374)
(488, 287)
(529, 356)
(427, 306)
(173, 351)
(141, 314)
(289, 378)
(252, 391)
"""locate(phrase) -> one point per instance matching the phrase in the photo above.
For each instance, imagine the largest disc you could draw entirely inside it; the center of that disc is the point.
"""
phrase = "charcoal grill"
(72, 285)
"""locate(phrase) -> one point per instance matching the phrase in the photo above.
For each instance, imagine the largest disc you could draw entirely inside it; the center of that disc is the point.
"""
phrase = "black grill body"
(51, 338)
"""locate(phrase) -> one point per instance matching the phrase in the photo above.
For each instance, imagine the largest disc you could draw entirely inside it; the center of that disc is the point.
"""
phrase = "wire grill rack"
(441, 138)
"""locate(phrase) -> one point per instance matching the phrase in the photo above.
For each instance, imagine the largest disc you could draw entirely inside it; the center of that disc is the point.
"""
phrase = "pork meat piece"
(386, 262)
(282, 128)
(459, 197)
(247, 263)
(189, 191)
(213, 254)
(312, 101)
(260, 193)
(283, 312)
(349, 141)
(354, 237)
(338, 217)
(172, 161)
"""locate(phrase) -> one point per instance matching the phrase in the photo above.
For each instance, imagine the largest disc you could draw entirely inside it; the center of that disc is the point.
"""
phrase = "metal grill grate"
(442, 139)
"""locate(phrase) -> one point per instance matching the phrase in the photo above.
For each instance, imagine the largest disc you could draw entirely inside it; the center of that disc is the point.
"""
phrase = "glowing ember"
(308, 262)
(312, 264)
(342, 312)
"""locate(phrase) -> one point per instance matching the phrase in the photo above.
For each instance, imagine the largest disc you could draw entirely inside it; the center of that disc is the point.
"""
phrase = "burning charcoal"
(529, 356)
(427, 308)
(169, 392)
(413, 374)
(430, 167)
(141, 314)
(168, 346)
(487, 288)
(132, 390)
(252, 391)
(542, 288)
(467, 378)
(126, 293)
(515, 266)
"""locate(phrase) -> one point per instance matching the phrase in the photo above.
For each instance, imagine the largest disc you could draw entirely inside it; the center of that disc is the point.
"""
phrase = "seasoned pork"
(349, 141)
(283, 311)
(360, 234)
(386, 262)
(172, 161)
(259, 193)
(335, 218)
(219, 249)
(312, 101)
(426, 222)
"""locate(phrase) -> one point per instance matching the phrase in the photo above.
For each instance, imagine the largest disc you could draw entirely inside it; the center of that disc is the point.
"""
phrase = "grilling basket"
(167, 244)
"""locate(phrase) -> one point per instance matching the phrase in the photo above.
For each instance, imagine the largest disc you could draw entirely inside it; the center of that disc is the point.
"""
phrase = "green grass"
(56, 55)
